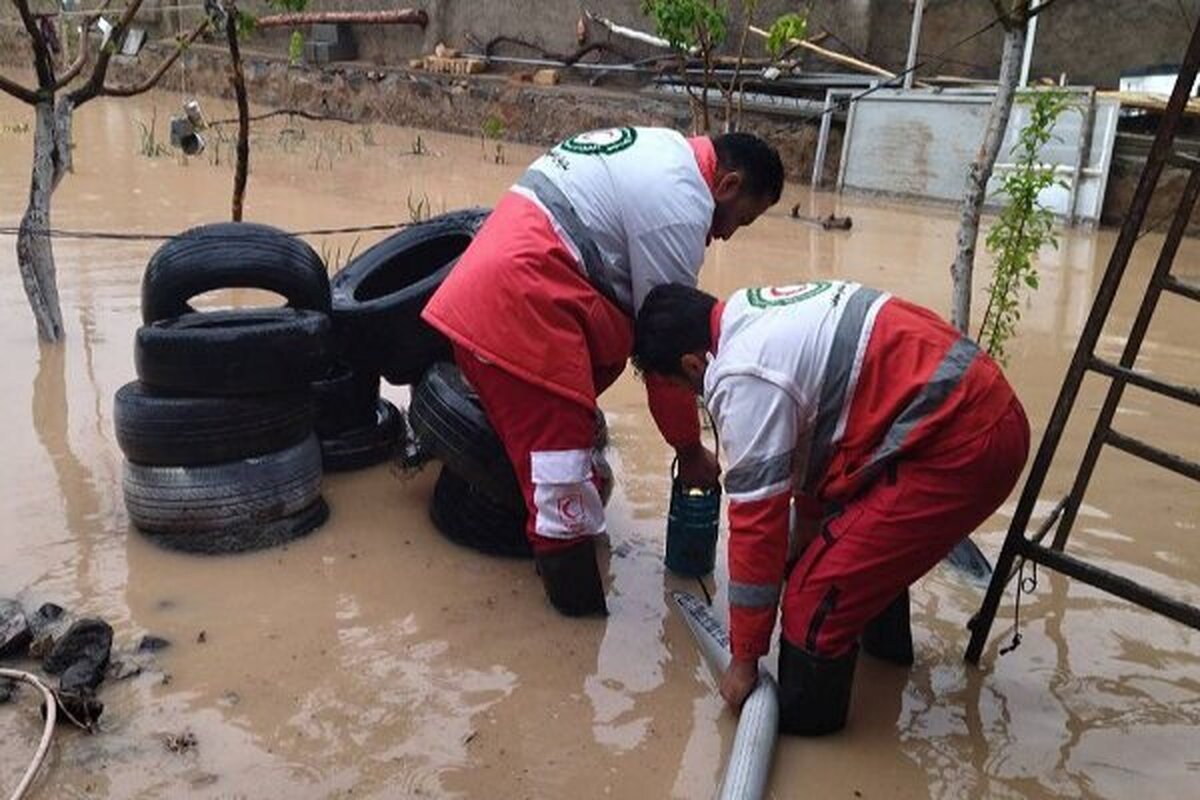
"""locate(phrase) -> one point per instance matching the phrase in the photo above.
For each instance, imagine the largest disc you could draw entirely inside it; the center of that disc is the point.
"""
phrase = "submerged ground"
(374, 659)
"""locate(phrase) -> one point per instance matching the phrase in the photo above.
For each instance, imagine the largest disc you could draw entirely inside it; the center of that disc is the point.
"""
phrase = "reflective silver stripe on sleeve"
(836, 381)
(755, 475)
(553, 199)
(754, 595)
(945, 379)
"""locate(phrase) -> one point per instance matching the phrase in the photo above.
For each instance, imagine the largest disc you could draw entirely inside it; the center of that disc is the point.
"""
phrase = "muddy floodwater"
(375, 659)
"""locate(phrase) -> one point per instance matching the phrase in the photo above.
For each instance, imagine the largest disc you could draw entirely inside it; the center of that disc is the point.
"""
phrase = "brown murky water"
(374, 659)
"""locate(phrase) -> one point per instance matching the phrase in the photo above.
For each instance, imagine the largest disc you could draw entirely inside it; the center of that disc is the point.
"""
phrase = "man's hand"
(698, 467)
(739, 681)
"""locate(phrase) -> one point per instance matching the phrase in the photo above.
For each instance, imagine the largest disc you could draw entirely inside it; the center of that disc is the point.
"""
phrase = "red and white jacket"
(815, 388)
(570, 252)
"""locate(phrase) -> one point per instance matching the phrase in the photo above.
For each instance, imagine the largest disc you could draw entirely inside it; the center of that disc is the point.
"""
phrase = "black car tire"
(379, 296)
(258, 536)
(450, 424)
(229, 255)
(246, 351)
(163, 430)
(346, 400)
(368, 445)
(468, 517)
(234, 495)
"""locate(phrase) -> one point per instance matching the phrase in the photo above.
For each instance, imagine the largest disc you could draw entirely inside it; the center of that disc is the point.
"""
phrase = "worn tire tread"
(204, 499)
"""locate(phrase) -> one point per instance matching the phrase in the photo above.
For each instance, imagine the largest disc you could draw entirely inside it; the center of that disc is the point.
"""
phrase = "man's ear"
(728, 185)
(692, 366)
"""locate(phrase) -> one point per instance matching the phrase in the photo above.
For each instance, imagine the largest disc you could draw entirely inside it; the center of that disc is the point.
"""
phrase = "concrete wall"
(1092, 42)
(551, 24)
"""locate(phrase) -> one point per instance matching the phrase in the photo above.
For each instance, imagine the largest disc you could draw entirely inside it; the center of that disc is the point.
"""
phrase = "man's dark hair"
(758, 161)
(674, 320)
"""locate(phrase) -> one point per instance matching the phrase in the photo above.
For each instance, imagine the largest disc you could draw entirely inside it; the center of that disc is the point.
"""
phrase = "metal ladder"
(1017, 545)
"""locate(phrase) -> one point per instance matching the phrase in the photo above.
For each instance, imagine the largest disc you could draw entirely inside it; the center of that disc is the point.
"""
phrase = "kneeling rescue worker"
(540, 311)
(893, 436)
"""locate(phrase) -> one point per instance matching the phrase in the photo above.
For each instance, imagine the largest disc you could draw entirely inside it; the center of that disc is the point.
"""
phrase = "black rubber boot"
(814, 692)
(572, 579)
(888, 637)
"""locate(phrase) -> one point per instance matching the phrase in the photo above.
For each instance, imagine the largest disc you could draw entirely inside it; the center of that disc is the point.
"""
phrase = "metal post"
(1088, 114)
(822, 140)
(1030, 35)
(1155, 161)
(914, 40)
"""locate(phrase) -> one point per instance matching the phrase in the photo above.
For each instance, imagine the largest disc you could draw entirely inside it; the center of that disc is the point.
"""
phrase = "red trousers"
(550, 442)
(895, 531)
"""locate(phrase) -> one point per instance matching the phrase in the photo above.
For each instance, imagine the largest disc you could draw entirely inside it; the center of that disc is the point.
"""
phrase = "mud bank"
(525, 113)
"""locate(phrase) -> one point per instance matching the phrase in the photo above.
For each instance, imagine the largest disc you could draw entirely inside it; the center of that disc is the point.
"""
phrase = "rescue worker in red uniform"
(887, 435)
(540, 312)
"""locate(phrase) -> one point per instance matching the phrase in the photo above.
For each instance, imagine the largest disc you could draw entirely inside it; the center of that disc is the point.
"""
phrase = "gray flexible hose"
(749, 764)
(47, 729)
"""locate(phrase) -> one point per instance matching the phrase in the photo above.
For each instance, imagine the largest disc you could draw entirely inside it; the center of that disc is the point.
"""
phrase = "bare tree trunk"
(238, 77)
(981, 171)
(35, 254)
(52, 141)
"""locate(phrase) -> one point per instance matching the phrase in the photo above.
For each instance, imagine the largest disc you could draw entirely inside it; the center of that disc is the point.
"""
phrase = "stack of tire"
(477, 501)
(218, 430)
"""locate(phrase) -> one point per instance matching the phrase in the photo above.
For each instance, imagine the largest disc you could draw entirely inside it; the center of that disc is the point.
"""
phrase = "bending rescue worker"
(540, 311)
(893, 436)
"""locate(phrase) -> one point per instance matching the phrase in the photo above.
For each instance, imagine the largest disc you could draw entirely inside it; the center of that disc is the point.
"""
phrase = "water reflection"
(77, 485)
(376, 657)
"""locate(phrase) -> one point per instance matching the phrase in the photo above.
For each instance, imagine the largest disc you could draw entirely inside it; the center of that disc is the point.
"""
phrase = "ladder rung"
(1185, 394)
(1188, 290)
(1183, 160)
(1136, 447)
(1113, 583)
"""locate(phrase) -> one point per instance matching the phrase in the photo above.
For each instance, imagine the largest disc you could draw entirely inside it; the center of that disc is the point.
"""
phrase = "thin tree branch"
(785, 56)
(286, 112)
(95, 85)
(567, 59)
(152, 81)
(80, 60)
(18, 91)
(42, 61)
(73, 71)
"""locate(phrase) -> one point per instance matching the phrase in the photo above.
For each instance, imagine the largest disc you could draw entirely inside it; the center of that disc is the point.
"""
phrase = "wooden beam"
(840, 58)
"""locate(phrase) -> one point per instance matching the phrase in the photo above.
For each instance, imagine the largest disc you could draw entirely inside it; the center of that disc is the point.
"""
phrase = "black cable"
(893, 81)
(1024, 586)
(941, 60)
(854, 51)
(60, 233)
